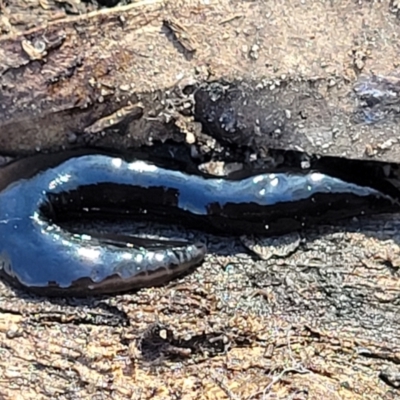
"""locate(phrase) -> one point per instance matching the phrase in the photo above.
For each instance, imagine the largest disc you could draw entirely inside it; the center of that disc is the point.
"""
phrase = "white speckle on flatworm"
(262, 192)
(59, 180)
(139, 258)
(316, 177)
(127, 256)
(116, 162)
(141, 166)
(159, 257)
(88, 253)
(258, 178)
(274, 182)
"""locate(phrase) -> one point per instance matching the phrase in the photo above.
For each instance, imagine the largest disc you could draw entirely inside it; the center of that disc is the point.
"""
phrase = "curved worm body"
(39, 192)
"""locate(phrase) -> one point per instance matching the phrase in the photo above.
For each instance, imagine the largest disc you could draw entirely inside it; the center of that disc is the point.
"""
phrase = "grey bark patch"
(269, 247)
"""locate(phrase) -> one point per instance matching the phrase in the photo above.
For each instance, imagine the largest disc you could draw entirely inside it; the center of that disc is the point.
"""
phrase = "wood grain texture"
(320, 322)
(63, 74)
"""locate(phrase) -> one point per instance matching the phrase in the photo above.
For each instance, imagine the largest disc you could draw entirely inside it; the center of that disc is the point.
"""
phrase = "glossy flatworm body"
(38, 193)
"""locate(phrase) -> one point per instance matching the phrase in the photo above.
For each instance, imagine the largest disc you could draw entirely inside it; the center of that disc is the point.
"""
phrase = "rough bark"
(317, 319)
(319, 78)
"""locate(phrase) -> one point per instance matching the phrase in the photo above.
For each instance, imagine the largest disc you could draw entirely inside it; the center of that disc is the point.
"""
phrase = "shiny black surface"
(39, 192)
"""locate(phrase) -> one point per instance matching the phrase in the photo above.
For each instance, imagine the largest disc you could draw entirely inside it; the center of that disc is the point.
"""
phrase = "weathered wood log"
(292, 84)
(322, 320)
(318, 318)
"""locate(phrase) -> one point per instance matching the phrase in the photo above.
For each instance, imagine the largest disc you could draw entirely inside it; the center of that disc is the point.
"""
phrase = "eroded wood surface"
(317, 322)
(320, 321)
(317, 77)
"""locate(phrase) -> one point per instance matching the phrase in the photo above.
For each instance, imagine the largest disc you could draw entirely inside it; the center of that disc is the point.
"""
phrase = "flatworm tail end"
(139, 263)
(85, 265)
